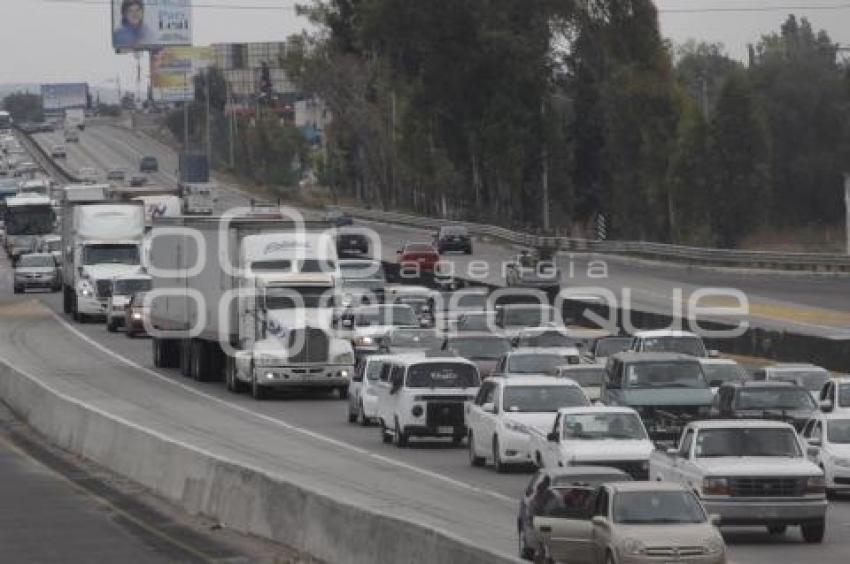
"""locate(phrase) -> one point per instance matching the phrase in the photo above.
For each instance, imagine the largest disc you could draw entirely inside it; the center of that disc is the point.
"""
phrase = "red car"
(423, 255)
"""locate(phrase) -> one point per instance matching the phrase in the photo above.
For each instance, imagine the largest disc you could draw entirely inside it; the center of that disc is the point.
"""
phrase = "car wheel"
(18, 289)
(500, 466)
(400, 436)
(474, 459)
(609, 558)
(386, 438)
(343, 392)
(361, 415)
(111, 326)
(813, 532)
(525, 552)
(777, 529)
(352, 417)
(130, 333)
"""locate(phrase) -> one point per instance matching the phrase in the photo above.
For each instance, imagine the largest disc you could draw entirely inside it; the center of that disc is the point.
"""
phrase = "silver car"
(37, 270)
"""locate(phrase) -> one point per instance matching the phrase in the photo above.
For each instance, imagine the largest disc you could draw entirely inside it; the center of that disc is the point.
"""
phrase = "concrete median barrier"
(242, 498)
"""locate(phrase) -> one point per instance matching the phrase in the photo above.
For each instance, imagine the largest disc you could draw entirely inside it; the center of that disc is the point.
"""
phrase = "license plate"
(445, 430)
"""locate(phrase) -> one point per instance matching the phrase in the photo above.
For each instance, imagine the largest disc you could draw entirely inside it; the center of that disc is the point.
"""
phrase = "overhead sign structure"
(150, 24)
(173, 70)
(59, 97)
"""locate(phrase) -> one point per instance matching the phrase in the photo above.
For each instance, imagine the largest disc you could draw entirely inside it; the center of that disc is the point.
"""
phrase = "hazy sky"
(69, 40)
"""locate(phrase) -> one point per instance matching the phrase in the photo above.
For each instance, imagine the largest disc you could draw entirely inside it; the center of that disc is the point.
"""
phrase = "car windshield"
(684, 345)
(664, 375)
(843, 395)
(454, 232)
(591, 376)
(35, 261)
(548, 339)
(838, 431)
(741, 441)
(298, 297)
(362, 271)
(388, 315)
(111, 254)
(271, 265)
(131, 286)
(443, 375)
(597, 426)
(657, 507)
(414, 339)
(564, 502)
(717, 374)
(775, 398)
(590, 479)
(480, 348)
(419, 249)
(373, 370)
(476, 321)
(812, 380)
(542, 399)
(527, 316)
(468, 301)
(536, 363)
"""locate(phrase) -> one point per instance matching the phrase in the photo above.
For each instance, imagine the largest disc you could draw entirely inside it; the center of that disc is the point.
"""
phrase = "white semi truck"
(101, 241)
(249, 300)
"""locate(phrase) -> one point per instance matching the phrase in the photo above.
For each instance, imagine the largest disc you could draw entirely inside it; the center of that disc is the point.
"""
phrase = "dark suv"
(784, 401)
(149, 164)
(453, 238)
(350, 243)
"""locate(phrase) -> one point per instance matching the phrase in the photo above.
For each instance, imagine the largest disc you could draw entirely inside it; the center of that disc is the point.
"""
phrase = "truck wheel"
(233, 383)
(111, 326)
(361, 415)
(158, 349)
(200, 361)
(343, 392)
(18, 289)
(777, 529)
(400, 436)
(258, 392)
(66, 300)
(185, 357)
(386, 438)
(525, 552)
(474, 459)
(813, 532)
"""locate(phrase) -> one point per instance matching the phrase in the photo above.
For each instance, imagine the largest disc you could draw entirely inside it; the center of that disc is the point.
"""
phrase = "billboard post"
(150, 24)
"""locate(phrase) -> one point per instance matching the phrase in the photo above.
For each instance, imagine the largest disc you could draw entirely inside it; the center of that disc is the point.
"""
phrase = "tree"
(740, 158)
(702, 69)
(23, 107)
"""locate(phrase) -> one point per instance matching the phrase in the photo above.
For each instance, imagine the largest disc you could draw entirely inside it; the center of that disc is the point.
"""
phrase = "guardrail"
(44, 159)
(810, 262)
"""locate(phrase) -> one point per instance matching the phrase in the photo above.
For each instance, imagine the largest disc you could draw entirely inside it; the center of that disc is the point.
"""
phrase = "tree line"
(468, 108)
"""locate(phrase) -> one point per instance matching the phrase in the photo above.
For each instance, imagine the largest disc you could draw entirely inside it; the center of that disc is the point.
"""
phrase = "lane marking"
(282, 423)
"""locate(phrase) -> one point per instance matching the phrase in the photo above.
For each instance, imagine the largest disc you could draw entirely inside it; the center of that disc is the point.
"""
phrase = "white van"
(425, 397)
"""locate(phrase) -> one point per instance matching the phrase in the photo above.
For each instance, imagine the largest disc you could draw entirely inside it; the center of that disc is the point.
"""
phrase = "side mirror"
(489, 408)
(553, 437)
(825, 405)
(600, 521)
(714, 519)
(713, 353)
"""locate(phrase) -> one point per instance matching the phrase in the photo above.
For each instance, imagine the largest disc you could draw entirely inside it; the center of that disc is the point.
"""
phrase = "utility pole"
(209, 133)
(545, 175)
(847, 207)
(229, 121)
(185, 112)
(704, 97)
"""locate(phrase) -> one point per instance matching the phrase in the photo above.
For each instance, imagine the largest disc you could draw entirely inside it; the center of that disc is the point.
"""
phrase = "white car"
(425, 397)
(828, 438)
(370, 324)
(506, 409)
(123, 289)
(595, 436)
(808, 376)
(58, 152)
(835, 394)
(362, 394)
(682, 342)
(589, 376)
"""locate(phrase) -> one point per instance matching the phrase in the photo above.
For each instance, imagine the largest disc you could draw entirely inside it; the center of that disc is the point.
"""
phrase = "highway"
(306, 439)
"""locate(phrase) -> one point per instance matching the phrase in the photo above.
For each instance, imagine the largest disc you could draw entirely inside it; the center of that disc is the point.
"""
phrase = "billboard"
(58, 97)
(148, 24)
(173, 70)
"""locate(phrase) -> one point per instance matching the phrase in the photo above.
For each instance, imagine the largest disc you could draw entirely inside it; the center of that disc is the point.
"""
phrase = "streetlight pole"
(847, 207)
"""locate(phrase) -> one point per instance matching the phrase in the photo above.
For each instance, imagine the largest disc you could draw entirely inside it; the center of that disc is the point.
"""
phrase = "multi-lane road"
(306, 439)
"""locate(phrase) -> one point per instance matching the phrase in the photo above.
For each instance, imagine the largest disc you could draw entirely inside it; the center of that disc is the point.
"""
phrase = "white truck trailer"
(250, 300)
(101, 241)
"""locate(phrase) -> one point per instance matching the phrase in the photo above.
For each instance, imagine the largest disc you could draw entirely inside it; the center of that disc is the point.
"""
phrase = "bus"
(28, 217)
(5, 121)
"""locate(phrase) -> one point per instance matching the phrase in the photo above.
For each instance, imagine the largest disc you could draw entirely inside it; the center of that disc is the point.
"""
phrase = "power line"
(201, 5)
(756, 9)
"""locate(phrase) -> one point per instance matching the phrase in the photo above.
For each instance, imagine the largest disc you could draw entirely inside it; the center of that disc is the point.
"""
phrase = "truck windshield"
(657, 507)
(713, 443)
(684, 345)
(664, 375)
(131, 286)
(542, 399)
(537, 363)
(299, 297)
(111, 254)
(843, 395)
(812, 380)
(775, 398)
(443, 375)
(596, 426)
(590, 376)
(36, 261)
(480, 348)
(29, 220)
(838, 431)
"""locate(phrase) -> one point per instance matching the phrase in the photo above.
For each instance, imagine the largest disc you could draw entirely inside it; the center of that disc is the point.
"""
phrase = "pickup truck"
(529, 271)
(749, 473)
(594, 436)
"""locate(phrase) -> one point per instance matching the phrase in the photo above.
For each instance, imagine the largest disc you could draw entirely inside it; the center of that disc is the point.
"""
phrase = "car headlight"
(713, 545)
(364, 341)
(85, 288)
(137, 316)
(815, 485)
(345, 358)
(634, 547)
(715, 486)
(514, 426)
(843, 462)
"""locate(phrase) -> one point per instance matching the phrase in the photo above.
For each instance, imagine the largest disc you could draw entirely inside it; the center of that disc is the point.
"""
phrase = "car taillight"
(715, 486)
(815, 485)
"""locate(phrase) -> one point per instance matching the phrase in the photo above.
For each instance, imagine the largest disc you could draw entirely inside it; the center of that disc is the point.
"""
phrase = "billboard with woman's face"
(146, 24)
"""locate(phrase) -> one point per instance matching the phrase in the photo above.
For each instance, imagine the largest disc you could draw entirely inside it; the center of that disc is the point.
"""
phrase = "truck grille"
(313, 347)
(637, 469)
(103, 288)
(767, 487)
(444, 414)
